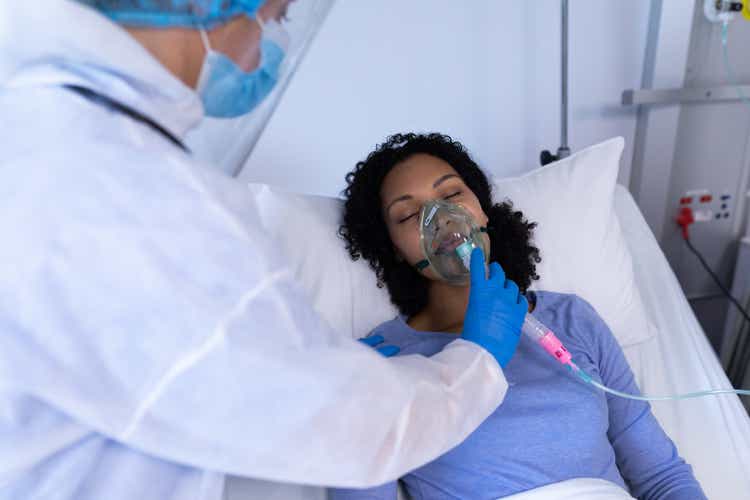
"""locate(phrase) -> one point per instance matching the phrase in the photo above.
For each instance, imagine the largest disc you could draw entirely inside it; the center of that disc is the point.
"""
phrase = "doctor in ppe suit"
(152, 339)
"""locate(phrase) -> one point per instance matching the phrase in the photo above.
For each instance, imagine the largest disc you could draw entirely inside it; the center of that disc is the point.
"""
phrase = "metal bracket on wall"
(675, 96)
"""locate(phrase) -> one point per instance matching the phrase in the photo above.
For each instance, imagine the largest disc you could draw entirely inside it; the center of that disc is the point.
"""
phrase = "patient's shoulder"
(386, 327)
(394, 331)
(571, 317)
(578, 325)
(398, 332)
(547, 302)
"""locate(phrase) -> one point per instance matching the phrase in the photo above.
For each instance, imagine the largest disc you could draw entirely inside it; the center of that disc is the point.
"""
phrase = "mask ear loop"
(204, 67)
(204, 39)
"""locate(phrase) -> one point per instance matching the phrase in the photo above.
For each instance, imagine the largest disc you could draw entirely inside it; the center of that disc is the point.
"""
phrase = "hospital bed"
(712, 434)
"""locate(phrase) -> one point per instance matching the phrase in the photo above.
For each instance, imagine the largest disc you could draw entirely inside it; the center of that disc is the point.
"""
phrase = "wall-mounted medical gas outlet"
(721, 11)
(705, 206)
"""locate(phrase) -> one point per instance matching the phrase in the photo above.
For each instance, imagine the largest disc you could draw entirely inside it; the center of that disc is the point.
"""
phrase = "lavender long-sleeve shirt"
(551, 426)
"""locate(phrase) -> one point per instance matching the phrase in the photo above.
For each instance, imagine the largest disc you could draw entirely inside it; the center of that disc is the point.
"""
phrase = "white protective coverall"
(152, 339)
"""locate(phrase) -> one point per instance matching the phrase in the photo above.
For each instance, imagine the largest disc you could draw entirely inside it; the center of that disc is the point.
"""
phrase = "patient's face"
(407, 187)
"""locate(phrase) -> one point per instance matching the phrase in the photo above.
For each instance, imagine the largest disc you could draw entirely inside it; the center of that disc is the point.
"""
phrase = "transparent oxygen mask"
(448, 234)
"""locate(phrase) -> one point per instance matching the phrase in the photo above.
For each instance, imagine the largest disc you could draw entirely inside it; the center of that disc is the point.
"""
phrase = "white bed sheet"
(712, 434)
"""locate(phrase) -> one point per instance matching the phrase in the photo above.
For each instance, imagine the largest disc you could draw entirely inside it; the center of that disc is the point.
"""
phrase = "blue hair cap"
(174, 13)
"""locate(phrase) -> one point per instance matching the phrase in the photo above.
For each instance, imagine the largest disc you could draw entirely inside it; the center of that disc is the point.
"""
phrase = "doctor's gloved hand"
(496, 310)
(376, 342)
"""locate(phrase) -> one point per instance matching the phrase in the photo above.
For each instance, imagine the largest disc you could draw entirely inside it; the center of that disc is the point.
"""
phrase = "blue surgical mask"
(226, 90)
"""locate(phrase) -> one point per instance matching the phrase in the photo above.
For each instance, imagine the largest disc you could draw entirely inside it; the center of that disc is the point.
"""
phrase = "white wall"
(696, 146)
(486, 72)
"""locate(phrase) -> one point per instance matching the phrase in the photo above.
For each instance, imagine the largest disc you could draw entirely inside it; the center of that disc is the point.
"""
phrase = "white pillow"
(578, 235)
(344, 292)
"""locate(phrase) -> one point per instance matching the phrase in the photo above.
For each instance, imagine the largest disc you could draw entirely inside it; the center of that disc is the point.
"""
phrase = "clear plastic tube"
(711, 392)
(727, 66)
(546, 338)
(540, 334)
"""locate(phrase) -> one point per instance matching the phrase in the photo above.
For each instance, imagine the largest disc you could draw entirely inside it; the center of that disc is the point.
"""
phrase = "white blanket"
(575, 489)
(572, 489)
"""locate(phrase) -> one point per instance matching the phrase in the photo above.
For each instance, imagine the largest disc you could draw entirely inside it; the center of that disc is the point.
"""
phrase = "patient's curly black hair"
(366, 233)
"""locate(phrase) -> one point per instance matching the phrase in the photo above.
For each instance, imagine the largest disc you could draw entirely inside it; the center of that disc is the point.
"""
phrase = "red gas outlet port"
(706, 198)
(684, 219)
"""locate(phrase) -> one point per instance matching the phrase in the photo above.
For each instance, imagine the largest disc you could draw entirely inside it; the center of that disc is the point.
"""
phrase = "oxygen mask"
(448, 234)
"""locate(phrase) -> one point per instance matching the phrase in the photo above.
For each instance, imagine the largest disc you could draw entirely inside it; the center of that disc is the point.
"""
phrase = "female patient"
(551, 426)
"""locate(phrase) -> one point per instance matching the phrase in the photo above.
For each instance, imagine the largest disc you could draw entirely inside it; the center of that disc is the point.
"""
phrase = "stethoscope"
(110, 103)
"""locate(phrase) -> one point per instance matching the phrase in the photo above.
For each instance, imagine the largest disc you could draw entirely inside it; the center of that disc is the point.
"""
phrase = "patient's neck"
(445, 309)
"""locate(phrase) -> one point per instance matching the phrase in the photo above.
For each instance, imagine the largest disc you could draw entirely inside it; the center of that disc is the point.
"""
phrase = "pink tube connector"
(546, 338)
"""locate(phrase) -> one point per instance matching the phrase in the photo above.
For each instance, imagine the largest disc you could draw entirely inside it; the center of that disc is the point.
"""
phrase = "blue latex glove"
(496, 310)
(374, 341)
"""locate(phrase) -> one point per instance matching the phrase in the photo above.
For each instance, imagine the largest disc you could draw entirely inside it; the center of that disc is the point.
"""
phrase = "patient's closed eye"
(407, 217)
(452, 195)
